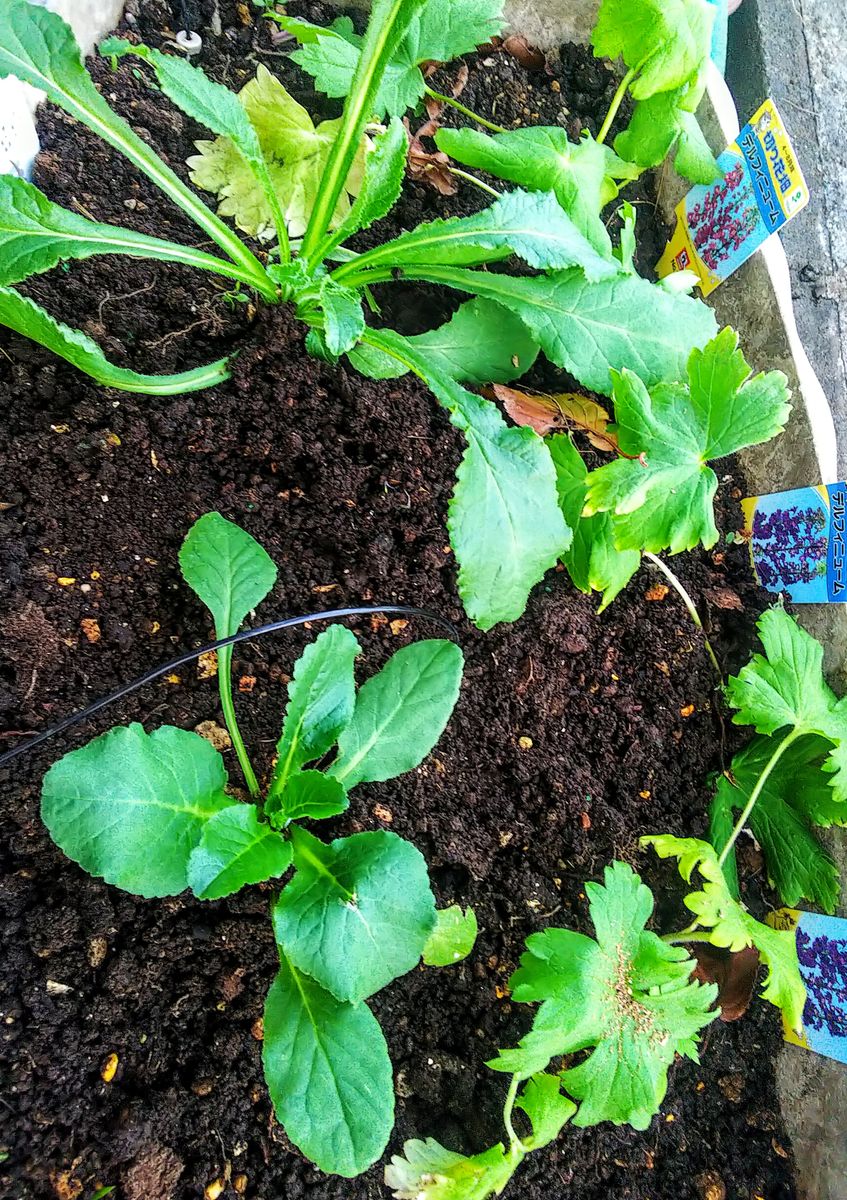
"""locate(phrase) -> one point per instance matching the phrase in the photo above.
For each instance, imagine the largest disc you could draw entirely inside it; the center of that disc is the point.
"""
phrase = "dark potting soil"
(346, 483)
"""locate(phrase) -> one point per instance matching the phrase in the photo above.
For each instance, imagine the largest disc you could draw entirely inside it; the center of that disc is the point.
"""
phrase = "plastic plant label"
(822, 950)
(721, 225)
(798, 542)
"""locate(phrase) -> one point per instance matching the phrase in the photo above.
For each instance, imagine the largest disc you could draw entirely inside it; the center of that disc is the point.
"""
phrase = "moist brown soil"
(346, 483)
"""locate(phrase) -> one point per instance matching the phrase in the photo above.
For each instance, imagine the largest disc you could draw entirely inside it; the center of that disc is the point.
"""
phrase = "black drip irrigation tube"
(245, 635)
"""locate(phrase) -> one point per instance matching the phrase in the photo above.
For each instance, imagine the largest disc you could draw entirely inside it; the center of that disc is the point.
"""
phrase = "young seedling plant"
(152, 814)
(280, 176)
(619, 1007)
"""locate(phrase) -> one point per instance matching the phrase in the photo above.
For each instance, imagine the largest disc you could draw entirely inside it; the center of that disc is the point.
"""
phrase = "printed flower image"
(724, 218)
(823, 962)
(790, 545)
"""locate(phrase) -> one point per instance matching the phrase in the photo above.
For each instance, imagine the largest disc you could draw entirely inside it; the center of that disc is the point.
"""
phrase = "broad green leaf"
(36, 235)
(730, 925)
(357, 913)
(481, 343)
(294, 150)
(24, 316)
(721, 825)
(592, 561)
(307, 796)
(130, 806)
(796, 795)
(211, 104)
(344, 319)
(583, 175)
(227, 569)
(591, 329)
(548, 1110)
(321, 699)
(400, 713)
(506, 527)
(663, 124)
(382, 182)
(426, 1171)
(663, 494)
(328, 1072)
(785, 689)
(236, 849)
(39, 48)
(529, 224)
(452, 938)
(628, 996)
(665, 41)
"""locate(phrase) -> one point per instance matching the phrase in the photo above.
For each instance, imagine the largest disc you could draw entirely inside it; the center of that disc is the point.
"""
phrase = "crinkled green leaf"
(664, 124)
(730, 925)
(785, 689)
(429, 1172)
(236, 849)
(400, 713)
(627, 996)
(593, 561)
(592, 329)
(307, 796)
(452, 938)
(357, 913)
(328, 1072)
(548, 1110)
(796, 795)
(321, 699)
(663, 495)
(24, 316)
(583, 175)
(666, 41)
(130, 807)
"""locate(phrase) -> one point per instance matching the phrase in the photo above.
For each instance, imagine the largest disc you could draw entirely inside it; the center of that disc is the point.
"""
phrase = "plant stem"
(225, 691)
(466, 175)
(617, 100)
(514, 1141)
(678, 587)
(679, 939)
(468, 112)
(757, 790)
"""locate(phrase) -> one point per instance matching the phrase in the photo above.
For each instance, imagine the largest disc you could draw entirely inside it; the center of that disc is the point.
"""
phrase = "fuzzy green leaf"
(583, 175)
(328, 1072)
(452, 938)
(591, 329)
(664, 498)
(321, 699)
(227, 569)
(666, 41)
(593, 561)
(400, 713)
(628, 996)
(731, 927)
(130, 807)
(548, 1110)
(664, 124)
(236, 849)
(369, 894)
(429, 1172)
(26, 317)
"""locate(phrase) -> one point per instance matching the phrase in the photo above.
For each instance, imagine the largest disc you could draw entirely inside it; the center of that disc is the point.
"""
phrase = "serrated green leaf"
(663, 495)
(369, 894)
(400, 713)
(227, 568)
(429, 1172)
(26, 317)
(665, 41)
(382, 182)
(730, 925)
(506, 527)
(796, 795)
(786, 689)
(452, 938)
(591, 329)
(548, 1110)
(593, 561)
(628, 995)
(236, 849)
(130, 806)
(306, 796)
(343, 316)
(583, 175)
(328, 1072)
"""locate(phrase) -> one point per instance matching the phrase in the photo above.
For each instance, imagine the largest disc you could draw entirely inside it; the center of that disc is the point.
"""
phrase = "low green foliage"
(152, 814)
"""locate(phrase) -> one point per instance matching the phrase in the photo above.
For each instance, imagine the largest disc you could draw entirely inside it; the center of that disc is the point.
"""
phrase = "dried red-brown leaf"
(461, 81)
(733, 972)
(528, 56)
(431, 167)
(545, 414)
(724, 597)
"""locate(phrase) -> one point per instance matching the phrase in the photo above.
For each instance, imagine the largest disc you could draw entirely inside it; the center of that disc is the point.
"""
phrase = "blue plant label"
(822, 951)
(797, 542)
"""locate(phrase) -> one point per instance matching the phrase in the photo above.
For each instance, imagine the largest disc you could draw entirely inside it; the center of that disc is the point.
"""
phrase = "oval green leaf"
(236, 849)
